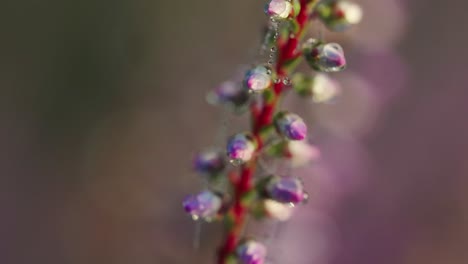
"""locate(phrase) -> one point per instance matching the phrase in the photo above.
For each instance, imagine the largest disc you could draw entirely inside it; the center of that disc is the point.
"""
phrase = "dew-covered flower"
(258, 78)
(290, 125)
(286, 190)
(204, 205)
(241, 148)
(320, 87)
(209, 162)
(339, 15)
(251, 252)
(230, 94)
(324, 57)
(278, 9)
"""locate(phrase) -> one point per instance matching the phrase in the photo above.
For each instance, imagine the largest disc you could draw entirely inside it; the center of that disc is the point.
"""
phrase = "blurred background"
(103, 105)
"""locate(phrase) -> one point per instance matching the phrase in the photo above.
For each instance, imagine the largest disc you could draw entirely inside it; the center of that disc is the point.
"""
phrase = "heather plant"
(239, 183)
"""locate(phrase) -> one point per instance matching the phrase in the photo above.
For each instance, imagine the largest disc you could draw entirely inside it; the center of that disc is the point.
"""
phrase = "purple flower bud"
(258, 78)
(204, 205)
(323, 57)
(290, 125)
(278, 9)
(251, 252)
(229, 93)
(286, 190)
(209, 162)
(241, 148)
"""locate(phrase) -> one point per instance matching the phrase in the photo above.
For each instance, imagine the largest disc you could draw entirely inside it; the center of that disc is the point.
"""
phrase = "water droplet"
(290, 125)
(270, 62)
(209, 219)
(305, 198)
(202, 205)
(273, 49)
(251, 251)
(278, 10)
(277, 80)
(286, 81)
(287, 190)
(236, 162)
(257, 78)
(269, 71)
(241, 148)
(325, 57)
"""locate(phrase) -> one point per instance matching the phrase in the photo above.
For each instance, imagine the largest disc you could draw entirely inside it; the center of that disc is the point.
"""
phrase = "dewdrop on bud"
(324, 57)
(258, 78)
(320, 87)
(251, 252)
(229, 93)
(204, 205)
(241, 148)
(278, 9)
(290, 125)
(286, 190)
(339, 15)
(209, 162)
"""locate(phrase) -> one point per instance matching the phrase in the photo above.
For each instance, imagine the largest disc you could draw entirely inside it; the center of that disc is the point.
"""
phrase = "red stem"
(260, 118)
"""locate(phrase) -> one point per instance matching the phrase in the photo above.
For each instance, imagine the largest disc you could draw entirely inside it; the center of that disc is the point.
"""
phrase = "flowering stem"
(261, 118)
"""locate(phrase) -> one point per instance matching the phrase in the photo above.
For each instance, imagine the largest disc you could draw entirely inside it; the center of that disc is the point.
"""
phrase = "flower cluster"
(251, 187)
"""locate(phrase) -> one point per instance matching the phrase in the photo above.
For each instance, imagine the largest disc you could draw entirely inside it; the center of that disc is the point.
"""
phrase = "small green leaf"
(296, 7)
(268, 96)
(261, 184)
(277, 150)
(229, 220)
(294, 26)
(231, 259)
(266, 131)
(258, 210)
(302, 84)
(292, 63)
(249, 197)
